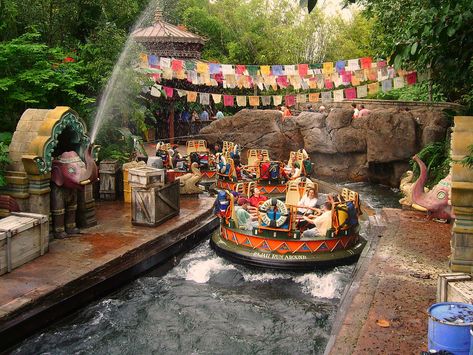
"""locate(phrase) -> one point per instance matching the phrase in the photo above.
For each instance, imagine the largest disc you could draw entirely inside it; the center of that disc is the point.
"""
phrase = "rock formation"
(375, 148)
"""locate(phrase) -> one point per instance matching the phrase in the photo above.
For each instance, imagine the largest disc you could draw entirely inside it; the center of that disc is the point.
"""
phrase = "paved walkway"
(113, 241)
(396, 287)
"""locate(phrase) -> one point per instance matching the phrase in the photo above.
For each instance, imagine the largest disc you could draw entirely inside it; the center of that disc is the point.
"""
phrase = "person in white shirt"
(307, 202)
(356, 111)
(322, 223)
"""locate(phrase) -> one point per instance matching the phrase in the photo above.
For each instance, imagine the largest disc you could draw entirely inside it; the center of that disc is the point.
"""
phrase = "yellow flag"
(265, 70)
(373, 88)
(191, 96)
(327, 68)
(202, 68)
(314, 97)
(254, 100)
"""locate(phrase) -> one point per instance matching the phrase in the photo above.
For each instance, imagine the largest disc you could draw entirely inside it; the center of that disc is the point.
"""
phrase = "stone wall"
(374, 148)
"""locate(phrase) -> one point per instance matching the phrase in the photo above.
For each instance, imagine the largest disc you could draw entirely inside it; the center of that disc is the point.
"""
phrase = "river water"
(207, 305)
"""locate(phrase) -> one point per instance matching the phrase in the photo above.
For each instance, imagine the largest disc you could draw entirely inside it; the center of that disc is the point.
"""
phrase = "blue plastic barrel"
(449, 327)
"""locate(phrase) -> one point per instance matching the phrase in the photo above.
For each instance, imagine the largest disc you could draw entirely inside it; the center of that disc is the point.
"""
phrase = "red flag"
(290, 100)
(411, 78)
(350, 93)
(282, 81)
(328, 84)
(240, 69)
(176, 65)
(228, 100)
(169, 91)
(303, 69)
(366, 62)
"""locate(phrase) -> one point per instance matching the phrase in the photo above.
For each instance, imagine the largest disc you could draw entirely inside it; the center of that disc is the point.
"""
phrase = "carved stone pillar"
(461, 259)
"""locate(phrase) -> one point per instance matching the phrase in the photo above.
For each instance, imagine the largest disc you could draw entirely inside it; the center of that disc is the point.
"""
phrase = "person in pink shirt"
(363, 111)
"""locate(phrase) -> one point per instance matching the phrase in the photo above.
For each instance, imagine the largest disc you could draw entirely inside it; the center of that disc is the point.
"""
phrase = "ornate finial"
(158, 15)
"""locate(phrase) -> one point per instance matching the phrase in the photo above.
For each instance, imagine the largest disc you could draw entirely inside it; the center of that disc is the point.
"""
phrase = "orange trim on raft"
(265, 189)
(209, 174)
(287, 246)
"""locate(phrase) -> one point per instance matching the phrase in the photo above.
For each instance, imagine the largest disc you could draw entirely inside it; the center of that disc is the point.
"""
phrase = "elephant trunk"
(418, 185)
(91, 173)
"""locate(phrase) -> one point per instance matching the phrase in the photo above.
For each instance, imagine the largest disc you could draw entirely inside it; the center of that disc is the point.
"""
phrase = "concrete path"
(387, 312)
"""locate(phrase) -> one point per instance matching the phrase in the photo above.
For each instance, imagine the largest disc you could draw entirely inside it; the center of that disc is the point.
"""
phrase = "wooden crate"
(109, 166)
(126, 184)
(109, 179)
(154, 205)
(146, 177)
(23, 237)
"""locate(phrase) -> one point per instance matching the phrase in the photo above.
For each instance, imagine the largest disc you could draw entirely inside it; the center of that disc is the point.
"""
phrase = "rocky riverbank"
(374, 148)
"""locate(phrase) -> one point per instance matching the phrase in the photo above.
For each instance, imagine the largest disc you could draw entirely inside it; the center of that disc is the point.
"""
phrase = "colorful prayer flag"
(254, 100)
(265, 70)
(411, 78)
(204, 98)
(217, 98)
(362, 91)
(338, 95)
(241, 100)
(168, 91)
(314, 97)
(326, 96)
(350, 93)
(266, 100)
(303, 69)
(387, 85)
(191, 96)
(327, 68)
(366, 62)
(289, 100)
(176, 65)
(373, 88)
(277, 100)
(228, 100)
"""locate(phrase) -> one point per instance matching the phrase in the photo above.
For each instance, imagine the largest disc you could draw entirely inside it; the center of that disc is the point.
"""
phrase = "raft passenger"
(308, 202)
(322, 223)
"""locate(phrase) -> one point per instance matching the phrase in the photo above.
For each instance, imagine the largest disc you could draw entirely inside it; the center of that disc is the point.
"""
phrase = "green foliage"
(35, 75)
(417, 92)
(436, 157)
(270, 32)
(423, 35)
(123, 150)
(5, 140)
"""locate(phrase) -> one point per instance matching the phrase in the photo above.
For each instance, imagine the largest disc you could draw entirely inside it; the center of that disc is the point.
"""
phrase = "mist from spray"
(116, 88)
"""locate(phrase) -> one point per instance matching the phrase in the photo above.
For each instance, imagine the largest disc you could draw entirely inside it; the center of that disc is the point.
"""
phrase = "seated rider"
(308, 202)
(246, 220)
(256, 197)
(322, 223)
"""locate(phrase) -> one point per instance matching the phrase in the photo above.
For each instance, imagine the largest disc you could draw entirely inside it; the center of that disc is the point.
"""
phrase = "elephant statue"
(68, 175)
(435, 201)
(188, 182)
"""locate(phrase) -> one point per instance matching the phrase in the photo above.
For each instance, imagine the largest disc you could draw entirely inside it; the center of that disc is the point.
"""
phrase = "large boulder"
(391, 136)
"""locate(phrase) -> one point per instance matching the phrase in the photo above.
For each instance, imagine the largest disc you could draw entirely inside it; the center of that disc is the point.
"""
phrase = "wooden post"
(171, 124)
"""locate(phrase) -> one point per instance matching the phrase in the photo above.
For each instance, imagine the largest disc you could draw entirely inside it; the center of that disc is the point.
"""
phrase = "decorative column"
(461, 259)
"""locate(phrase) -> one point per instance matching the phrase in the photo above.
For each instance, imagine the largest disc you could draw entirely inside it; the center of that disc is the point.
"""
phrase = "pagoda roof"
(165, 32)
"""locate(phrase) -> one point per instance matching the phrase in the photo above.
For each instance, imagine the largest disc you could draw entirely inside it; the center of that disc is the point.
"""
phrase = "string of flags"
(321, 76)
(361, 91)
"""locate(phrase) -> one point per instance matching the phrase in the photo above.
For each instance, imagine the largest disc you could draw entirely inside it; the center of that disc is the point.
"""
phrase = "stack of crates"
(126, 185)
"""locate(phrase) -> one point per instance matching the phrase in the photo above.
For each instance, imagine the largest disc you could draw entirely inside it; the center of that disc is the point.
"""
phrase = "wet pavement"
(114, 245)
(388, 313)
